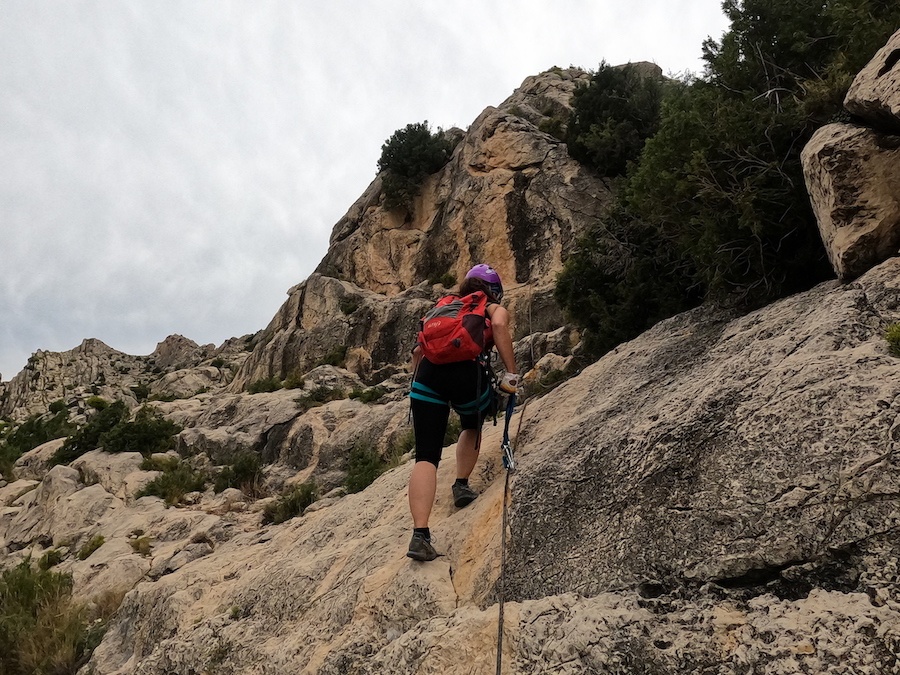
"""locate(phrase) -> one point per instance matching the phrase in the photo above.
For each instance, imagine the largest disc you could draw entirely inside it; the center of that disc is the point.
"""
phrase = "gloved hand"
(508, 383)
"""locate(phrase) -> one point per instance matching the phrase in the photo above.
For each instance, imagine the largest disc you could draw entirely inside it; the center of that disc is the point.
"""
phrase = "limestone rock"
(699, 451)
(874, 95)
(113, 471)
(852, 178)
(11, 492)
(177, 351)
(35, 463)
(323, 317)
(190, 381)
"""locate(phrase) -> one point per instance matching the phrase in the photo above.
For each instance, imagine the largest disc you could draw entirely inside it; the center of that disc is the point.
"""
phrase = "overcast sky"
(174, 166)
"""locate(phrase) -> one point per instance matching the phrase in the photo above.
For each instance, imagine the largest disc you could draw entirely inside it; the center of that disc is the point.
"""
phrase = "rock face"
(874, 95)
(177, 368)
(510, 195)
(853, 182)
(718, 495)
(851, 170)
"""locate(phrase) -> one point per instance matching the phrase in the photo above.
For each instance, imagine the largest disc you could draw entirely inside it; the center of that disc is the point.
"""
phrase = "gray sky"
(174, 167)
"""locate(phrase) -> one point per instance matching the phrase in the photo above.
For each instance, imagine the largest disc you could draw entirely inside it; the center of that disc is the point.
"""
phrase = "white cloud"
(174, 166)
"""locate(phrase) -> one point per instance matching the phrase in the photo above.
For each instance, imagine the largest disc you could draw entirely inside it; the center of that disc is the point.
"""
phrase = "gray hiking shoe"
(421, 549)
(463, 495)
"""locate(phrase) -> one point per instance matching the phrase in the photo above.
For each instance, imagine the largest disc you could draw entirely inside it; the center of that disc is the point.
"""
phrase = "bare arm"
(416, 357)
(502, 338)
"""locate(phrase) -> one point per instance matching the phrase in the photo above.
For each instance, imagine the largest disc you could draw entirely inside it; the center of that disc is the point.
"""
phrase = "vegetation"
(348, 305)
(87, 438)
(176, 481)
(291, 504)
(363, 467)
(148, 433)
(141, 545)
(51, 558)
(612, 117)
(35, 431)
(43, 631)
(892, 335)
(407, 158)
(264, 385)
(319, 396)
(244, 472)
(294, 380)
(369, 395)
(714, 207)
(90, 546)
(335, 357)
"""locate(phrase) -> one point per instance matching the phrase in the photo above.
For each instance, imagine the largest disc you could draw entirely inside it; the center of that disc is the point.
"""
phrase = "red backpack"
(455, 329)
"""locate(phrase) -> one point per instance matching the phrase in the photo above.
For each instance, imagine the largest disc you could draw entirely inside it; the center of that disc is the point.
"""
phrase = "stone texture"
(874, 95)
(854, 186)
(35, 463)
(718, 495)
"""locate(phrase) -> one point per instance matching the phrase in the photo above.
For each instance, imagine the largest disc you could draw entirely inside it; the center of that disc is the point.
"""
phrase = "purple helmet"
(488, 274)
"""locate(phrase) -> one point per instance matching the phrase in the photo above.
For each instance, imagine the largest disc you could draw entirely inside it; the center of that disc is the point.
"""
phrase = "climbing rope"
(509, 463)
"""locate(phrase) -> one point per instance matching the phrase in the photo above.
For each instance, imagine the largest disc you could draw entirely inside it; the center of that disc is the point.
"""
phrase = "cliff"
(718, 495)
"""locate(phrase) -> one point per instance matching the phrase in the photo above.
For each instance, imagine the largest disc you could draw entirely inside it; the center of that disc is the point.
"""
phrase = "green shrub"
(97, 402)
(148, 433)
(367, 395)
(400, 446)
(35, 431)
(447, 280)
(90, 546)
(336, 357)
(715, 205)
(363, 467)
(57, 406)
(454, 426)
(264, 385)
(291, 504)
(43, 631)
(318, 396)
(87, 438)
(612, 117)
(892, 335)
(407, 158)
(141, 545)
(349, 305)
(174, 483)
(294, 381)
(141, 391)
(166, 463)
(51, 558)
(244, 472)
(217, 363)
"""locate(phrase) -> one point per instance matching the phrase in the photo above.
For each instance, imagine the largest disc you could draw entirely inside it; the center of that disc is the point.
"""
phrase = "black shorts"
(465, 386)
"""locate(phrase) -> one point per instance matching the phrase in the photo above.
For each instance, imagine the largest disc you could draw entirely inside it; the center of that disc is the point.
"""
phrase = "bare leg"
(422, 487)
(467, 449)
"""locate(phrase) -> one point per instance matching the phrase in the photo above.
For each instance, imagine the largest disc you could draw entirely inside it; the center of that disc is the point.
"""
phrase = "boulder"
(11, 492)
(874, 95)
(110, 470)
(36, 462)
(852, 178)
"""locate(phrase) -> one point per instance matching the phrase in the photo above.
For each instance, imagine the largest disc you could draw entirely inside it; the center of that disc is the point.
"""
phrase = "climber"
(466, 386)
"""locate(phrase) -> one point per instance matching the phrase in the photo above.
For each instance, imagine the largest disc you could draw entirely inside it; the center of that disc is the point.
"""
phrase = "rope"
(510, 465)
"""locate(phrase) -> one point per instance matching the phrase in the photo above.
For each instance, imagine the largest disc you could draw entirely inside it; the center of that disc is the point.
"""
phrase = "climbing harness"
(509, 463)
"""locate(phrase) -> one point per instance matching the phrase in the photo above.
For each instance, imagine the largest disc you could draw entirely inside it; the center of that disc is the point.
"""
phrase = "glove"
(508, 383)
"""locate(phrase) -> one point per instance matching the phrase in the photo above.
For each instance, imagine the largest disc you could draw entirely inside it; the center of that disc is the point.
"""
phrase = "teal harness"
(422, 392)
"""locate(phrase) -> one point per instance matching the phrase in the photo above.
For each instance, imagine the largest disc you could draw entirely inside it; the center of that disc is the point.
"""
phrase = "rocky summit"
(719, 495)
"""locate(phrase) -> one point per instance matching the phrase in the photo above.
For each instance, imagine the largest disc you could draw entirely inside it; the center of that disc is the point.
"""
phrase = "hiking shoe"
(421, 549)
(463, 495)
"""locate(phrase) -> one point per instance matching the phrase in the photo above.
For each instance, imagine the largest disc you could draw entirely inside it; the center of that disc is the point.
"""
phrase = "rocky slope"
(719, 495)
